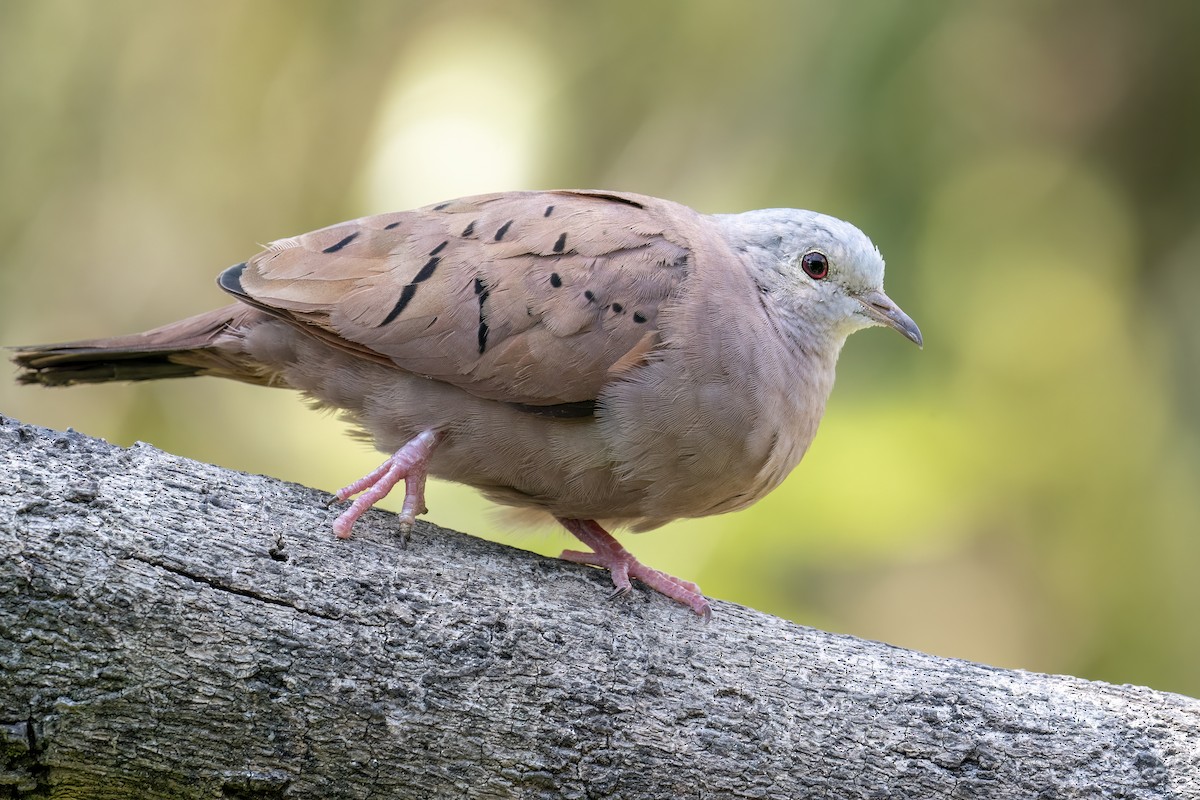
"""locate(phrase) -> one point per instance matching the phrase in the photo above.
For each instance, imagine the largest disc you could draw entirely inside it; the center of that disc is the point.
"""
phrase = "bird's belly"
(577, 477)
(587, 469)
(639, 462)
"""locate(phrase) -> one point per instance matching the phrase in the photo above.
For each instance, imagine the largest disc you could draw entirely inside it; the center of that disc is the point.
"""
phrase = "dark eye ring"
(815, 265)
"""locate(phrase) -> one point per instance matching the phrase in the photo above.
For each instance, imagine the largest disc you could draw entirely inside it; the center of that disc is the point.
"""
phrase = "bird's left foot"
(608, 553)
(411, 464)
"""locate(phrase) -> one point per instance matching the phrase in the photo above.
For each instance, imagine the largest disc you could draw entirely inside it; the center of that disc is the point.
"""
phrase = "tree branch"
(171, 629)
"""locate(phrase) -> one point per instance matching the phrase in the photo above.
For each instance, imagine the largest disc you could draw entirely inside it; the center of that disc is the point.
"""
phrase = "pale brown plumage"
(593, 355)
(413, 289)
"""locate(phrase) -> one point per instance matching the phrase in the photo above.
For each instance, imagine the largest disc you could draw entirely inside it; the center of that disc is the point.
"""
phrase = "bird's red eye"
(815, 265)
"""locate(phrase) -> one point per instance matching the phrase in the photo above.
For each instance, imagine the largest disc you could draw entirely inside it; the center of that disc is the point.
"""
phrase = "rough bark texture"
(171, 629)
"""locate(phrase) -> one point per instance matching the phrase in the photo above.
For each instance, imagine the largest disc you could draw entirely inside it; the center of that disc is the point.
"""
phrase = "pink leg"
(410, 464)
(607, 552)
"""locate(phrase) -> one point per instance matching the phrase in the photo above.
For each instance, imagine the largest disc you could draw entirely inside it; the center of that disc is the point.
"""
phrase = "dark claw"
(619, 591)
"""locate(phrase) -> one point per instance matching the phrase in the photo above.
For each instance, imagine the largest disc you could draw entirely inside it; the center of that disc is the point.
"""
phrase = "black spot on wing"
(617, 308)
(577, 410)
(406, 296)
(482, 336)
(503, 229)
(410, 290)
(561, 243)
(468, 231)
(555, 280)
(438, 249)
(441, 206)
(391, 225)
(589, 295)
(482, 291)
(427, 270)
(333, 248)
(638, 317)
(614, 199)
(549, 211)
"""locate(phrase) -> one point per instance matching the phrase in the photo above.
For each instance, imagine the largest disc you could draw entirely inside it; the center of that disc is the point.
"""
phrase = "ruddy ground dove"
(604, 358)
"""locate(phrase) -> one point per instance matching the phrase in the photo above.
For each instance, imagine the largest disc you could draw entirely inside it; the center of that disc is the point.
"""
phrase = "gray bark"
(171, 629)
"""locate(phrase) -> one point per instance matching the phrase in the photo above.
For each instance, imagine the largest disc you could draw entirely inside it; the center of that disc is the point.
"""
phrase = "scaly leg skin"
(411, 464)
(607, 552)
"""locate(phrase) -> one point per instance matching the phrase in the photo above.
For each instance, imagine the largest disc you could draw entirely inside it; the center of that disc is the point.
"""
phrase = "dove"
(608, 359)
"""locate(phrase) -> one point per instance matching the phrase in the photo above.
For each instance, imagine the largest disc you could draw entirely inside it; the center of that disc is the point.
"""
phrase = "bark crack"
(214, 583)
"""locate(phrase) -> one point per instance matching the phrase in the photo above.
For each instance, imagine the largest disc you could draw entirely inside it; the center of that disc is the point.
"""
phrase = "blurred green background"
(1024, 492)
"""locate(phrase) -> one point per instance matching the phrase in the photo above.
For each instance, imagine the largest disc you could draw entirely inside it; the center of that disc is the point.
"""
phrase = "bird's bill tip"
(880, 309)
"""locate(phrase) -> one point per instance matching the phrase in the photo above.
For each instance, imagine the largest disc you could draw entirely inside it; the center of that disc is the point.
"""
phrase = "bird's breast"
(691, 443)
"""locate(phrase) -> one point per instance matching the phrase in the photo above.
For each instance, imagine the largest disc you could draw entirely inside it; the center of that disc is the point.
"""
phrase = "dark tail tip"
(206, 344)
(64, 366)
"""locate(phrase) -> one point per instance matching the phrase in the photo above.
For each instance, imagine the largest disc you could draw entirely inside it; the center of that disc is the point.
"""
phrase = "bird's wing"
(531, 298)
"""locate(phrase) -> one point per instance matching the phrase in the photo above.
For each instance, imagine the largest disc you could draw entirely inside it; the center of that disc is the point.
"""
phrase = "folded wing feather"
(534, 298)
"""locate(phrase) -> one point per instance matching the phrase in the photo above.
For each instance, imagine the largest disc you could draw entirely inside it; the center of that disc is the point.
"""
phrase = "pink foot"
(608, 553)
(410, 464)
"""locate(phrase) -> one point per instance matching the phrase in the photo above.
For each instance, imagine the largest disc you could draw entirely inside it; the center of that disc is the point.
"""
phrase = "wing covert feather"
(524, 297)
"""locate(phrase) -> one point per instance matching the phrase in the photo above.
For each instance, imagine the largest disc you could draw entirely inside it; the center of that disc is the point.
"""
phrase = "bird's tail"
(207, 344)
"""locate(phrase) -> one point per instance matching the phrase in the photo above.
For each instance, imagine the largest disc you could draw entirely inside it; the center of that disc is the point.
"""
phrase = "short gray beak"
(880, 308)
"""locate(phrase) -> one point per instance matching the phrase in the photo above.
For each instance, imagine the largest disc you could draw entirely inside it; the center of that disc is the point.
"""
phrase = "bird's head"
(821, 271)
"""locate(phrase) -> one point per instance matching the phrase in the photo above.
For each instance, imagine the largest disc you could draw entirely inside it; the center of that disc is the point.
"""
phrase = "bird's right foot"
(608, 553)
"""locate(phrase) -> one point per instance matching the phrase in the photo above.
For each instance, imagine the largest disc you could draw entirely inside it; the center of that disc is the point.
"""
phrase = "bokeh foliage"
(1024, 492)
